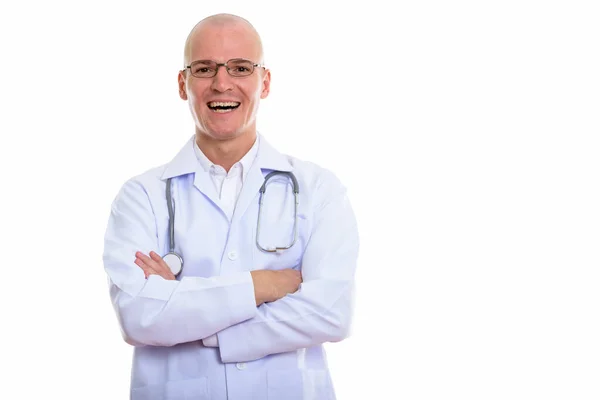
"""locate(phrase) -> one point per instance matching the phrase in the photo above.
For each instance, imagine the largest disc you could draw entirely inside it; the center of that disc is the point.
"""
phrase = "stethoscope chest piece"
(174, 261)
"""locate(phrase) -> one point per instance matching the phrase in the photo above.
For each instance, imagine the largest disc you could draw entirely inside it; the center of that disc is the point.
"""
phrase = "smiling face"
(224, 107)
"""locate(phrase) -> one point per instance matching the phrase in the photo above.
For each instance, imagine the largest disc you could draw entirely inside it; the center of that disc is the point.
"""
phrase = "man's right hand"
(273, 285)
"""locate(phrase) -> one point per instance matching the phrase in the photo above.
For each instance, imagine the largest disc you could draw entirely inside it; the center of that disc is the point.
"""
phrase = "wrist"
(259, 287)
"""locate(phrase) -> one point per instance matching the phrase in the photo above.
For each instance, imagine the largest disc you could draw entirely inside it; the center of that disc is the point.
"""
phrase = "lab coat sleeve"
(156, 311)
(321, 310)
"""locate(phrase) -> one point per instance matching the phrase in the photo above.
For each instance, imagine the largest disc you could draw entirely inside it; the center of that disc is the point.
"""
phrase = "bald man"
(232, 265)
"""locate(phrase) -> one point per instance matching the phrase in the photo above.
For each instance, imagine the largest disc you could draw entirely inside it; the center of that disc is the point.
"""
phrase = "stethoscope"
(175, 261)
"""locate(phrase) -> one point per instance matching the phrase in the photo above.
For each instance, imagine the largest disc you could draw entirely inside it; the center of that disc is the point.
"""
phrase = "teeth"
(223, 104)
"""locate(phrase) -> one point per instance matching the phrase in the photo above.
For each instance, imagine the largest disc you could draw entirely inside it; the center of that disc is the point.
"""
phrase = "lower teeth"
(222, 110)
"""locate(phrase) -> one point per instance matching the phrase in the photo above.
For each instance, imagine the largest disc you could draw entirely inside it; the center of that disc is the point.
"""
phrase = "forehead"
(223, 42)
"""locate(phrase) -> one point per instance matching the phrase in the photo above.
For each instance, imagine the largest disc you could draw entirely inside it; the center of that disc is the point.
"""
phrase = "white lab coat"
(269, 352)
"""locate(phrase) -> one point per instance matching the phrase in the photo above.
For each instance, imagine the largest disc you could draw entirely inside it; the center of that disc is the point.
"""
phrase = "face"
(220, 44)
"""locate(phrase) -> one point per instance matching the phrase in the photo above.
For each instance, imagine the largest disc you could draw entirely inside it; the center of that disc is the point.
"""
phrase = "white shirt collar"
(245, 162)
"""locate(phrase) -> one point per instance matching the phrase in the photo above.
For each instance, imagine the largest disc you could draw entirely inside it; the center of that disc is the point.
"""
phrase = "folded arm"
(161, 312)
(321, 310)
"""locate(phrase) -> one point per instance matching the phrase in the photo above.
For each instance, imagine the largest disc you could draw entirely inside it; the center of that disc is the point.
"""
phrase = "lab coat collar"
(185, 162)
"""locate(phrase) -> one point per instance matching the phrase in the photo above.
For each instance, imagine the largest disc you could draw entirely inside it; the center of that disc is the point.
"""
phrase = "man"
(240, 321)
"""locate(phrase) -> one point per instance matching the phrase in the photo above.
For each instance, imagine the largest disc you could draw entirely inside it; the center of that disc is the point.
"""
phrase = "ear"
(266, 84)
(181, 84)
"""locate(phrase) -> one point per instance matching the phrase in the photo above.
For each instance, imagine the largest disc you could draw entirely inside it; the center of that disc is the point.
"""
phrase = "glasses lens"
(203, 68)
(240, 67)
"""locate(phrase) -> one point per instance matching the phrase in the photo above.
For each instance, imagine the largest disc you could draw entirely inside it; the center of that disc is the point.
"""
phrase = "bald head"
(220, 29)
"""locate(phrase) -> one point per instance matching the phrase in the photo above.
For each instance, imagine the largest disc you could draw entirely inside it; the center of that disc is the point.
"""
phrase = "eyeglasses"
(236, 67)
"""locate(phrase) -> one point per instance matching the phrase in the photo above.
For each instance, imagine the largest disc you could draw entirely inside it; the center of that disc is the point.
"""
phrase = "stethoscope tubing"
(176, 269)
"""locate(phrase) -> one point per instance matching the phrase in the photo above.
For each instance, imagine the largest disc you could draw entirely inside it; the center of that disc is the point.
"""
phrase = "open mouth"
(223, 106)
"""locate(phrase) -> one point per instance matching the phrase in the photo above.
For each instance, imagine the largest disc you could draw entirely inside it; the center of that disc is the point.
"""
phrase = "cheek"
(252, 90)
(196, 105)
(195, 95)
(253, 97)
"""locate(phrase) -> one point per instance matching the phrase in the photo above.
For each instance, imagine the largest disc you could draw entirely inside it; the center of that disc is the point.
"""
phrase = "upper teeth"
(223, 104)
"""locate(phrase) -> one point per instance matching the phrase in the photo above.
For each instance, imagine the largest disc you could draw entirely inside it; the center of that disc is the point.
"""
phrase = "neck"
(225, 152)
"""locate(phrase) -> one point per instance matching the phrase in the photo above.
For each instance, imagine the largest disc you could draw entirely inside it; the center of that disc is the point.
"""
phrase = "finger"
(159, 265)
(147, 269)
(149, 261)
(162, 265)
(153, 271)
(144, 257)
(154, 261)
(159, 260)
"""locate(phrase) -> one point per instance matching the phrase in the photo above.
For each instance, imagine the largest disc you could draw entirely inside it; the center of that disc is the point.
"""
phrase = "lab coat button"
(232, 255)
(240, 366)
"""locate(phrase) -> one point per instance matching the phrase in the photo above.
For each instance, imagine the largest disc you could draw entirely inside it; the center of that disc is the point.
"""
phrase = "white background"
(465, 131)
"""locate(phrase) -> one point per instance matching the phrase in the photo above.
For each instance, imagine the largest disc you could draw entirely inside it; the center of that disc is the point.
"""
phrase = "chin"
(222, 133)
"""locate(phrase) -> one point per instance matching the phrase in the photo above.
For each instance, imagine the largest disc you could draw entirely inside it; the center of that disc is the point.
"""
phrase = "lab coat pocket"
(299, 384)
(188, 389)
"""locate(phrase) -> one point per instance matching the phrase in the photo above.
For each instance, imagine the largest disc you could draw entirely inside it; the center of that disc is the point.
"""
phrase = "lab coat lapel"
(186, 162)
(204, 184)
(249, 192)
(268, 159)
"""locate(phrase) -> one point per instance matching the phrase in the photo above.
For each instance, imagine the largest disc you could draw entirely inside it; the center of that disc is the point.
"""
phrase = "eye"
(202, 68)
(199, 69)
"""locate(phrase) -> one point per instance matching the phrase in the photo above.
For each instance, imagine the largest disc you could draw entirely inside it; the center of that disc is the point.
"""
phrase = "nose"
(221, 82)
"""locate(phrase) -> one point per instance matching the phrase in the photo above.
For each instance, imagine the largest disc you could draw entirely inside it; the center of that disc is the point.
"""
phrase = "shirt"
(228, 184)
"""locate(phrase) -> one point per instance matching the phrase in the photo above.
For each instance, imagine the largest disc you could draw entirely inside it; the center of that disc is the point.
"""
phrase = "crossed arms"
(268, 285)
(253, 314)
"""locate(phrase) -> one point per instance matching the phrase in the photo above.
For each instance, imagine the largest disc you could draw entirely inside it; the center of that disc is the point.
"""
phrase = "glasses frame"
(218, 65)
